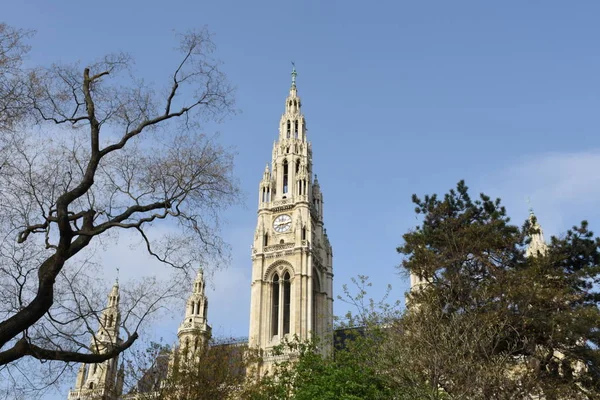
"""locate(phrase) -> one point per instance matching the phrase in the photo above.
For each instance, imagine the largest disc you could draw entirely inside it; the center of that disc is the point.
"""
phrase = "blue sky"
(400, 97)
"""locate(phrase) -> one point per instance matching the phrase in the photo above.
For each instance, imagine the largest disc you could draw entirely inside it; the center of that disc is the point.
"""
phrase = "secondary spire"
(538, 244)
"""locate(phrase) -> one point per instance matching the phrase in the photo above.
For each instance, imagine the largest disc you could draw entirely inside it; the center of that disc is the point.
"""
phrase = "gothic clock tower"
(292, 275)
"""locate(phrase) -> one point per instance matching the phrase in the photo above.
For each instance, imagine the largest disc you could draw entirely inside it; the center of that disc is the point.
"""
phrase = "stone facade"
(103, 380)
(292, 273)
(292, 259)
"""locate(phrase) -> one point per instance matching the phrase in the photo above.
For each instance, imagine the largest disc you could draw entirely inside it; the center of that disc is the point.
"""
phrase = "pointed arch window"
(289, 128)
(315, 302)
(296, 129)
(285, 176)
(281, 300)
(275, 307)
(287, 297)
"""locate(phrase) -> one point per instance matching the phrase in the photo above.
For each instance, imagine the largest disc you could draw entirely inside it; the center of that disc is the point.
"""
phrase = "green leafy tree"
(488, 322)
(312, 376)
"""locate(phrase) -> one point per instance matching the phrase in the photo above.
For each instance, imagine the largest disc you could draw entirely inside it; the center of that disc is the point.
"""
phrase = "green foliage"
(312, 376)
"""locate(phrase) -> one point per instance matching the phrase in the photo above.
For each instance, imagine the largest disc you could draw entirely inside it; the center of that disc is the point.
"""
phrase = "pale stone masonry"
(292, 269)
(103, 380)
(292, 259)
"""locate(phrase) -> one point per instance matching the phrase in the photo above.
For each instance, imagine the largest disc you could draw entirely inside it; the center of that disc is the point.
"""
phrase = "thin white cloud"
(563, 188)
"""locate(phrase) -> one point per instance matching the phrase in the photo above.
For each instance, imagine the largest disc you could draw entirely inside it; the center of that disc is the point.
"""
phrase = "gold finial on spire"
(294, 74)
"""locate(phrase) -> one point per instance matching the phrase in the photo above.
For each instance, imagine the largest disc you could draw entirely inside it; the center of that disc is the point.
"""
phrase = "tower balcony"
(283, 204)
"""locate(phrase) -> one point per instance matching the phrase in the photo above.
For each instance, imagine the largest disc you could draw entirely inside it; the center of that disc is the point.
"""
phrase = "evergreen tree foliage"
(487, 322)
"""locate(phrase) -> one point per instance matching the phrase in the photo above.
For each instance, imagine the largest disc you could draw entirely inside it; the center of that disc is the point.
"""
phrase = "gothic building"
(292, 275)
(103, 380)
(194, 332)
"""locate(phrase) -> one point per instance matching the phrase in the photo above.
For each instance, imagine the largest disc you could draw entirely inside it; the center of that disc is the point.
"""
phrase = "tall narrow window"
(285, 176)
(304, 233)
(296, 129)
(266, 239)
(205, 310)
(186, 347)
(275, 308)
(289, 128)
(110, 321)
(287, 296)
(315, 302)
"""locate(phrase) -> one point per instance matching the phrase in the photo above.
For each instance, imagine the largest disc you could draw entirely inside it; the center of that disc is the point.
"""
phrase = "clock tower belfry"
(292, 275)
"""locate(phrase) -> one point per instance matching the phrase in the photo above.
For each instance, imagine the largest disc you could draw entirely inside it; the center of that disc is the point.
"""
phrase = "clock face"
(282, 223)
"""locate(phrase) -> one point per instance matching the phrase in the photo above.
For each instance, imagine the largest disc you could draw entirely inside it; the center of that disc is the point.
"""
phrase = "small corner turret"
(194, 331)
(100, 380)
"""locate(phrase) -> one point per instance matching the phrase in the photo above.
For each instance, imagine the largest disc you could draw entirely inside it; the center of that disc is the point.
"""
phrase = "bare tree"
(216, 371)
(12, 87)
(99, 151)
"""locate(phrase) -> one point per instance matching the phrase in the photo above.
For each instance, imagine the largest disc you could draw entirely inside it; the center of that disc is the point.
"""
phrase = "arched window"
(275, 308)
(303, 233)
(296, 129)
(315, 302)
(186, 347)
(266, 239)
(205, 310)
(110, 321)
(91, 385)
(289, 128)
(287, 296)
(285, 176)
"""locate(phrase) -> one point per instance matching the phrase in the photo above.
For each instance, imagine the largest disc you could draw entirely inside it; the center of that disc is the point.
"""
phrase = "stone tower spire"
(292, 259)
(538, 244)
(194, 331)
(100, 380)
